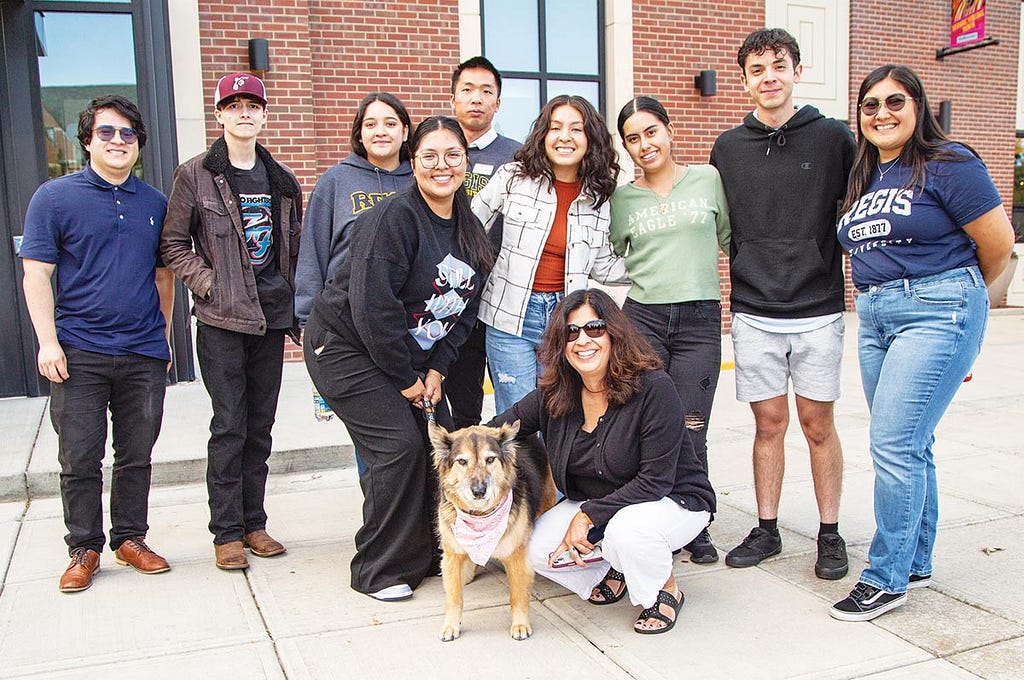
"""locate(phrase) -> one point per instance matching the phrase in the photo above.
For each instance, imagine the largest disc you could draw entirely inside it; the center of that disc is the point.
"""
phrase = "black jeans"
(396, 543)
(688, 338)
(464, 384)
(132, 387)
(242, 373)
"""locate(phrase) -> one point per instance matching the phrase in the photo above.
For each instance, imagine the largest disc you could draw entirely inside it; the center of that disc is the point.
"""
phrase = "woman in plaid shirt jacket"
(553, 200)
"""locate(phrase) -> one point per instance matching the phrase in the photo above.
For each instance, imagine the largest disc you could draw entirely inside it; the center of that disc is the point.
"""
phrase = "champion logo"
(805, 166)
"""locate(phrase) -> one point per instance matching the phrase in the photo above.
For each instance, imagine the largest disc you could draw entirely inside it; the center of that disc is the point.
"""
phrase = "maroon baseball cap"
(235, 84)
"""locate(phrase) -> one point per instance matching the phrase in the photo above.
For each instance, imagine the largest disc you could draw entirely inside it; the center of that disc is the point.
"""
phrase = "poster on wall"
(967, 22)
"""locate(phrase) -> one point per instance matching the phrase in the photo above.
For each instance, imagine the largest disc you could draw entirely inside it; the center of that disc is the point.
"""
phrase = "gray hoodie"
(344, 191)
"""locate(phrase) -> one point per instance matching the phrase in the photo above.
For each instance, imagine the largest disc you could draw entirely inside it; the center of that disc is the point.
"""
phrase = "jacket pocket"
(526, 228)
(778, 269)
(217, 217)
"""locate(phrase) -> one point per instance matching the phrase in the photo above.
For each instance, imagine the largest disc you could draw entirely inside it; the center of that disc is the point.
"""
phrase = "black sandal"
(666, 598)
(605, 590)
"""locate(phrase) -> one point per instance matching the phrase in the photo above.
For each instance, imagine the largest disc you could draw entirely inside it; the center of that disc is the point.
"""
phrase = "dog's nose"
(479, 490)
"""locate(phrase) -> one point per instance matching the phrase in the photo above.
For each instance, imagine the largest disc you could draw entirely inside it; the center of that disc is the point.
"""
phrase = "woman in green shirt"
(670, 224)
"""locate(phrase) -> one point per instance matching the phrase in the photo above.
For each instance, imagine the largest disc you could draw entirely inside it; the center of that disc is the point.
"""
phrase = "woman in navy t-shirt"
(925, 229)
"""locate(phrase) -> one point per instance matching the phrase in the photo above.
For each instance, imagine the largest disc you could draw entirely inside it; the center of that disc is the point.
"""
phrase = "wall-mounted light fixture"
(259, 56)
(707, 82)
(946, 116)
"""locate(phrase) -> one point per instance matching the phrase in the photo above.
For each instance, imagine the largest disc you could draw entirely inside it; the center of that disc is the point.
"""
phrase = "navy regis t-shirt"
(894, 232)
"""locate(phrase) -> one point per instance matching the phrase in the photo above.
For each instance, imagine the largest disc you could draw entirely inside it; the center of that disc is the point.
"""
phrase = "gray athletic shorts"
(766, 361)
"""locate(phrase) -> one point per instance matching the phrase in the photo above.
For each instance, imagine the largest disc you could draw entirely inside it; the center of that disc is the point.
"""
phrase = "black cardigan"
(641, 448)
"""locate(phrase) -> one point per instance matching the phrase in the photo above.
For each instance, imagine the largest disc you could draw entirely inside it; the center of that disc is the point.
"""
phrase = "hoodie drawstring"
(780, 137)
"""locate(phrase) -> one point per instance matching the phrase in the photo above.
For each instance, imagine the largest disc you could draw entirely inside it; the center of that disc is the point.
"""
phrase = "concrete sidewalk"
(294, 616)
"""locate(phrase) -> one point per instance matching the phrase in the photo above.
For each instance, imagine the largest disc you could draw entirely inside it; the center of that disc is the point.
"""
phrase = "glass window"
(68, 82)
(1018, 189)
(543, 48)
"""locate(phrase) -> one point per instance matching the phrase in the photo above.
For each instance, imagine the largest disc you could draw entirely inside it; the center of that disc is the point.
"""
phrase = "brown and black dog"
(477, 469)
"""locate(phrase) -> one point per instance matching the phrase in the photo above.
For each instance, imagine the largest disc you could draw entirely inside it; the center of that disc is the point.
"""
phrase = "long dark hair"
(356, 139)
(600, 167)
(928, 143)
(469, 233)
(648, 104)
(631, 354)
(115, 102)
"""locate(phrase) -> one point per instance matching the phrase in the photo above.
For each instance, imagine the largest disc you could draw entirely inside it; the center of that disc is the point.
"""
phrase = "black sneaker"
(917, 581)
(865, 603)
(832, 562)
(758, 545)
(702, 550)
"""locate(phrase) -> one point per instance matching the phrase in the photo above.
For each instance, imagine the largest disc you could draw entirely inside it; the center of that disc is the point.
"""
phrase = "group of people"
(432, 252)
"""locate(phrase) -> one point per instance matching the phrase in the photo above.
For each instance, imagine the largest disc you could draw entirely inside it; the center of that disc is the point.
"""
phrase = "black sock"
(828, 528)
(771, 525)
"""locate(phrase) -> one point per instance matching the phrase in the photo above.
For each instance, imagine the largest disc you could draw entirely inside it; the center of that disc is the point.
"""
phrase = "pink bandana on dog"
(479, 535)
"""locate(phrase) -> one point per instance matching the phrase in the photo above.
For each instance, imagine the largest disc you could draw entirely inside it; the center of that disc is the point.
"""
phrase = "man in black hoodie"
(785, 172)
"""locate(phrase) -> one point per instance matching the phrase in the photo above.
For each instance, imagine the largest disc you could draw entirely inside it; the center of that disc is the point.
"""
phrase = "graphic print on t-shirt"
(452, 287)
(872, 216)
(259, 228)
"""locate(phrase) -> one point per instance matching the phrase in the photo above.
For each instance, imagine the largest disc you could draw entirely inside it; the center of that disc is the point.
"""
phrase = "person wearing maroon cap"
(232, 236)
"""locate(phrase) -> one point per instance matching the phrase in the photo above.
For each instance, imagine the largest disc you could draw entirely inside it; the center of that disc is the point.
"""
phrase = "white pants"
(638, 541)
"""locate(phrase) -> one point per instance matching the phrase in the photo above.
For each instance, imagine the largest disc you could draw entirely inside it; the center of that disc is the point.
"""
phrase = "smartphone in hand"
(566, 560)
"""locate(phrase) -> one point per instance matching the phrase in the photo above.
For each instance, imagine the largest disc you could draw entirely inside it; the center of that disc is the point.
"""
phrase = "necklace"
(881, 173)
(663, 203)
(601, 391)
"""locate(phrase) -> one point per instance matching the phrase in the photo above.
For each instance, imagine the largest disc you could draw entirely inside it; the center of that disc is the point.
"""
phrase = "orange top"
(550, 277)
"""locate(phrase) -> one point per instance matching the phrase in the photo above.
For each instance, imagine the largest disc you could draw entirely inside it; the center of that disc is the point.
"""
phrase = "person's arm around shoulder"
(490, 200)
(176, 248)
(992, 234)
(51, 362)
(608, 268)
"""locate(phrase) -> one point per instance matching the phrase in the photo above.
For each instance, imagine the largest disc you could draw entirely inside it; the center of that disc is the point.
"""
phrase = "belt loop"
(906, 287)
(976, 275)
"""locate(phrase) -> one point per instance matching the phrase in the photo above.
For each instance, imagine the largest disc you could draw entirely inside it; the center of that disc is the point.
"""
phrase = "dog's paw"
(520, 631)
(449, 633)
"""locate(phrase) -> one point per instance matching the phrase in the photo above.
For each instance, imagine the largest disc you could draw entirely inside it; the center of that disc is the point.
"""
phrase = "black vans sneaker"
(832, 562)
(865, 603)
(759, 544)
(701, 549)
(917, 581)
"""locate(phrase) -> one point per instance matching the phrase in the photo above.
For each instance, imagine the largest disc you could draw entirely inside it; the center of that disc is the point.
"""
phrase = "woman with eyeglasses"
(925, 230)
(670, 224)
(554, 203)
(635, 491)
(378, 344)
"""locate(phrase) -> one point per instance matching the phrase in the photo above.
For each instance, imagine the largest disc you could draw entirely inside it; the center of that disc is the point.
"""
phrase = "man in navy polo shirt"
(103, 343)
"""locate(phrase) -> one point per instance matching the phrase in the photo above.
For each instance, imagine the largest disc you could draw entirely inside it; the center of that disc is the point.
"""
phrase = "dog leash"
(428, 412)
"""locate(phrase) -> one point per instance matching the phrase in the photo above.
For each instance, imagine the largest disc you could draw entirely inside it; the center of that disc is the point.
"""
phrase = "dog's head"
(476, 465)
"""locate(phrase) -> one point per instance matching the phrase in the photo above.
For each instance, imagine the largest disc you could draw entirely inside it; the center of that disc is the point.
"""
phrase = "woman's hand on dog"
(575, 540)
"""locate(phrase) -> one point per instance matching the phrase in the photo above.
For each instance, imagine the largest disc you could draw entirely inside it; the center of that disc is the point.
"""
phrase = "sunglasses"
(106, 133)
(593, 329)
(894, 102)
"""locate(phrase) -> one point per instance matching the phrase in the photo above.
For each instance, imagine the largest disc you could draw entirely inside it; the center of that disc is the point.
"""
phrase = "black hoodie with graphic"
(784, 188)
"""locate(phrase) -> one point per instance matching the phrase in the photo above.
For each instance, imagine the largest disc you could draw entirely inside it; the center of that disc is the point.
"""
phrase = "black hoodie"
(784, 187)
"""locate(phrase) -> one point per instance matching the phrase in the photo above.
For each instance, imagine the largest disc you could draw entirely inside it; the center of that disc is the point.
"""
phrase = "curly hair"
(114, 102)
(356, 139)
(775, 39)
(599, 169)
(631, 354)
(928, 143)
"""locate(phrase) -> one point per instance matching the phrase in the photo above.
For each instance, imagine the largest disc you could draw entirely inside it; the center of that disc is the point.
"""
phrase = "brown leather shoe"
(230, 555)
(261, 544)
(137, 554)
(78, 575)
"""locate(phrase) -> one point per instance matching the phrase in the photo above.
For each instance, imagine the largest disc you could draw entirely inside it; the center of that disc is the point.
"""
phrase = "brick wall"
(325, 55)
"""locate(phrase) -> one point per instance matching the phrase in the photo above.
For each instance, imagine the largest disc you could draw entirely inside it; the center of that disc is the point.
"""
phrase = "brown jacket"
(203, 240)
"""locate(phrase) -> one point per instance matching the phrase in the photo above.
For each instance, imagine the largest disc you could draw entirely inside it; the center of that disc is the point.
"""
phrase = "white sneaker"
(393, 593)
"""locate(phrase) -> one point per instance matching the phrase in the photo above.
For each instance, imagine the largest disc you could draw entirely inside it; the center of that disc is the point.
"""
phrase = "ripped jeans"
(688, 338)
(512, 359)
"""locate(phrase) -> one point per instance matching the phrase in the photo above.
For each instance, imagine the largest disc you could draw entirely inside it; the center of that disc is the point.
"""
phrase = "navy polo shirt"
(104, 240)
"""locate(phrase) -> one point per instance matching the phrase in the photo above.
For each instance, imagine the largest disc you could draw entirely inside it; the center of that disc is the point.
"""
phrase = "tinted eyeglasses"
(894, 102)
(593, 329)
(106, 133)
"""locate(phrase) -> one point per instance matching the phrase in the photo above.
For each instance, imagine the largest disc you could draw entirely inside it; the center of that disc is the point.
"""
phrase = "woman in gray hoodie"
(377, 167)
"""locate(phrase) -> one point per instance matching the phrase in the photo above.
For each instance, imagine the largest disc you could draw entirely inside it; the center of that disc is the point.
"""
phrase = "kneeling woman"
(613, 425)
(379, 341)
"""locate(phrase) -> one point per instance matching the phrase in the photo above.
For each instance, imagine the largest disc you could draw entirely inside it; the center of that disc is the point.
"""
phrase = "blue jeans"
(512, 359)
(688, 338)
(918, 340)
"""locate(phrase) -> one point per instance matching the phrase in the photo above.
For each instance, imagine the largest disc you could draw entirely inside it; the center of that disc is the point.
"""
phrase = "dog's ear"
(442, 441)
(507, 439)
